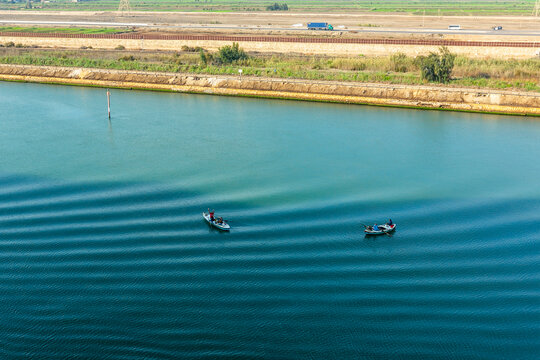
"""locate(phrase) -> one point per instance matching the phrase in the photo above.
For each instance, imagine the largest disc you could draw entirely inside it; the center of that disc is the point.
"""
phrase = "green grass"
(431, 7)
(495, 74)
(66, 30)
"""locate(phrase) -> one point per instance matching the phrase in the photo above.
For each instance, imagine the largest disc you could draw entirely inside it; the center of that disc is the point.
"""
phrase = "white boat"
(223, 226)
(383, 229)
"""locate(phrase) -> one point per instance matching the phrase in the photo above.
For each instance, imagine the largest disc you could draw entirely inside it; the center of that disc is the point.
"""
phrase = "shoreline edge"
(436, 97)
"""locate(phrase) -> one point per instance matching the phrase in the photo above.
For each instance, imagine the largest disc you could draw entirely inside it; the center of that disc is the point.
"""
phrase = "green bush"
(229, 54)
(399, 62)
(204, 59)
(277, 7)
(191, 49)
(120, 47)
(127, 58)
(437, 67)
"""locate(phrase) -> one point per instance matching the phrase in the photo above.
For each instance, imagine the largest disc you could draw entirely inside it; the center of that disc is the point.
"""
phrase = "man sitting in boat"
(389, 223)
(375, 227)
(220, 220)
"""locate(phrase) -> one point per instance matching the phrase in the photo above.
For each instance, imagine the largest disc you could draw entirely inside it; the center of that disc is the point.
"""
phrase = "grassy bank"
(430, 7)
(397, 69)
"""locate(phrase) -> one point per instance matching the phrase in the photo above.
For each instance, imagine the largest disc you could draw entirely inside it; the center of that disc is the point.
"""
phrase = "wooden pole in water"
(109, 102)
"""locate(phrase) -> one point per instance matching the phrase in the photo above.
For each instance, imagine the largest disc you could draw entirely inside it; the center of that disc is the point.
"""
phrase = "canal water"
(104, 252)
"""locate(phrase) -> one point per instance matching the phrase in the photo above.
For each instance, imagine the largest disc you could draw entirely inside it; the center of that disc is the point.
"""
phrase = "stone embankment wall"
(334, 46)
(436, 97)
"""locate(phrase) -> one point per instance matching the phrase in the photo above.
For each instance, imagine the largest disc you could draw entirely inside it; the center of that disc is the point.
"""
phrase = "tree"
(437, 67)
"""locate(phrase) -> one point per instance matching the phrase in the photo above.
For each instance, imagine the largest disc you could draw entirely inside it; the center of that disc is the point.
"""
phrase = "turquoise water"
(104, 252)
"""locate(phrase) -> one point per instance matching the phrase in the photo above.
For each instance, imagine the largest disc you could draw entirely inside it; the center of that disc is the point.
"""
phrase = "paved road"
(228, 27)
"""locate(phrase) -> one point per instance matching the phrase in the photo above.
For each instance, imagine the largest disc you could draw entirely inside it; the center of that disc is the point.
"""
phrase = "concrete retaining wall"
(436, 97)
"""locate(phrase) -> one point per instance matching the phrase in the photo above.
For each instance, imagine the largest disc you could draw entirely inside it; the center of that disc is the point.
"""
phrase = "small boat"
(223, 226)
(383, 229)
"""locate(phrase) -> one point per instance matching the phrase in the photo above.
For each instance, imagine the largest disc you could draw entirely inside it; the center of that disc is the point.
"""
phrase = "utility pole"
(124, 7)
(536, 10)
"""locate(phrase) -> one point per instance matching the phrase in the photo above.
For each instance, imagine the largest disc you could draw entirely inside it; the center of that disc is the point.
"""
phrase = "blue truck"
(319, 26)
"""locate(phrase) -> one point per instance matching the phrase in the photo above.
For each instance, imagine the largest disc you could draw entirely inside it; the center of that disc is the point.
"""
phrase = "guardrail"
(314, 40)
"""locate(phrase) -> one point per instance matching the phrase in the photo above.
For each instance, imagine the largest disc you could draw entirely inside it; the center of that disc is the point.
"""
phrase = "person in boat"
(220, 220)
(390, 223)
(211, 214)
(375, 228)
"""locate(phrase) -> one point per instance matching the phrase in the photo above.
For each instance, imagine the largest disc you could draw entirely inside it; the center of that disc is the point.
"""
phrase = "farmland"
(62, 30)
(417, 7)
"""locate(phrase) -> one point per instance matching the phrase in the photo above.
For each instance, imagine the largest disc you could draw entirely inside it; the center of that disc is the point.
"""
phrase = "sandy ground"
(525, 28)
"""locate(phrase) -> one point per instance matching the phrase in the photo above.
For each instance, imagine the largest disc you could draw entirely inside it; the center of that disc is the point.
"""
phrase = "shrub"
(127, 58)
(277, 7)
(204, 59)
(348, 64)
(437, 67)
(120, 47)
(9, 44)
(483, 75)
(229, 54)
(191, 49)
(399, 62)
